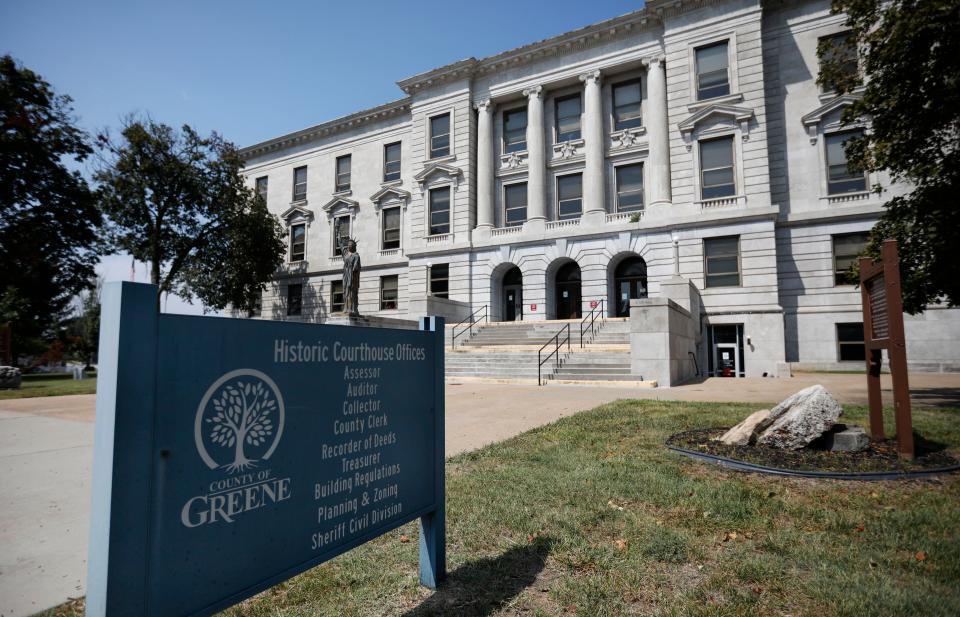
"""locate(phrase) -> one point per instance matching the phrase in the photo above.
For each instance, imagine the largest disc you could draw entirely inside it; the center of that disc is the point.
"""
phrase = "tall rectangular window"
(391, 162)
(391, 228)
(300, 183)
(298, 242)
(440, 280)
(716, 168)
(626, 105)
(846, 250)
(514, 204)
(341, 233)
(722, 261)
(629, 187)
(256, 307)
(389, 286)
(261, 188)
(850, 346)
(840, 177)
(842, 48)
(294, 299)
(440, 210)
(568, 110)
(439, 136)
(343, 172)
(515, 130)
(336, 296)
(569, 196)
(712, 71)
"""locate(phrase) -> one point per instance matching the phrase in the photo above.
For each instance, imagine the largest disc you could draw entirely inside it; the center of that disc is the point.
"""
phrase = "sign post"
(232, 454)
(883, 329)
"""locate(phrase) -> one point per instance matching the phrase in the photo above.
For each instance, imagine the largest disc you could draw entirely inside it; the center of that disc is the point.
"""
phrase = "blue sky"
(256, 70)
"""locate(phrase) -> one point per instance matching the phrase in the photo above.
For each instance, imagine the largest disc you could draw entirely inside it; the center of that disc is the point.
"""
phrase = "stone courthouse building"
(683, 150)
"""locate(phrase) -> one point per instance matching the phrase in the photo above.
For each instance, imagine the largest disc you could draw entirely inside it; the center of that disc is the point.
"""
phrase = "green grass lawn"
(592, 516)
(51, 387)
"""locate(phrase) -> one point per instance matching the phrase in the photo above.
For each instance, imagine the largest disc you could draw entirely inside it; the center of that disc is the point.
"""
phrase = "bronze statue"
(351, 278)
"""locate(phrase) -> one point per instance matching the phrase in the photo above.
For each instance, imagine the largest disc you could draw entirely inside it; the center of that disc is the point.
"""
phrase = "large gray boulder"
(9, 378)
(800, 419)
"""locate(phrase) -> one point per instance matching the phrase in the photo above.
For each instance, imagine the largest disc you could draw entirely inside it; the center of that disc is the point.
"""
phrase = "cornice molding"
(442, 168)
(814, 119)
(650, 16)
(292, 211)
(740, 115)
(401, 194)
(381, 112)
(332, 205)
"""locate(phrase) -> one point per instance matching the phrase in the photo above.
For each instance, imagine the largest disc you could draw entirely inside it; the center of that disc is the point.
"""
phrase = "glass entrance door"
(630, 283)
(726, 360)
(567, 292)
(726, 350)
(512, 303)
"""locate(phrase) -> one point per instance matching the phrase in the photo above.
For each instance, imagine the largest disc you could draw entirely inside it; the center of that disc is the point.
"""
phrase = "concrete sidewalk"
(46, 453)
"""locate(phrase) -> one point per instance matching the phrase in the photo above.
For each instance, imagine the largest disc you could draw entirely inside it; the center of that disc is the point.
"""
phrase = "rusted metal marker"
(883, 329)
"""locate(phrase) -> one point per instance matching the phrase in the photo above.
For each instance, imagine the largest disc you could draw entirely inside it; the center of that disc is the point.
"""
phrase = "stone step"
(582, 377)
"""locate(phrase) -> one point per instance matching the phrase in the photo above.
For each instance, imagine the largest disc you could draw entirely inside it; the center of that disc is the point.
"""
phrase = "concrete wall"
(663, 335)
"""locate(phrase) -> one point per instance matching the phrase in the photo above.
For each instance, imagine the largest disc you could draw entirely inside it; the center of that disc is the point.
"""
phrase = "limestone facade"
(692, 136)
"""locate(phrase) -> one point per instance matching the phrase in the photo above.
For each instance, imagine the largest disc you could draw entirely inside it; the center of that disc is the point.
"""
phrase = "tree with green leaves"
(178, 201)
(48, 218)
(909, 92)
(83, 328)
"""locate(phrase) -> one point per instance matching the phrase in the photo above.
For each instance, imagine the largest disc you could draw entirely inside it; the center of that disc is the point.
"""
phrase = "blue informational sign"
(232, 454)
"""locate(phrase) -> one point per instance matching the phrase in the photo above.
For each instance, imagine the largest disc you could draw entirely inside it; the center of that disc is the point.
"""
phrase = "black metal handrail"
(555, 339)
(595, 313)
(469, 326)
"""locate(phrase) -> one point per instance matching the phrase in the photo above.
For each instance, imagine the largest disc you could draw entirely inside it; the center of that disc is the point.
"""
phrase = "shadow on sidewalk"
(483, 586)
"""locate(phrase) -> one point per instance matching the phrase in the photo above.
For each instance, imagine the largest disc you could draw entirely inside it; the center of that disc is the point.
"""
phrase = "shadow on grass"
(936, 397)
(483, 586)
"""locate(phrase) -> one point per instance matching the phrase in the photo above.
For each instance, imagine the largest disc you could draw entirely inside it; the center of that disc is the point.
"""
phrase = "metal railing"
(467, 325)
(557, 343)
(594, 314)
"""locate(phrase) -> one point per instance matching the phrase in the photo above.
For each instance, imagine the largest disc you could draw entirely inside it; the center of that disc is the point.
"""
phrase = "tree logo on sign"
(239, 421)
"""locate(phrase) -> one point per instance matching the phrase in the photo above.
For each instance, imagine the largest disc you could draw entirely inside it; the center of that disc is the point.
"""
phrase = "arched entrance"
(567, 296)
(629, 283)
(512, 308)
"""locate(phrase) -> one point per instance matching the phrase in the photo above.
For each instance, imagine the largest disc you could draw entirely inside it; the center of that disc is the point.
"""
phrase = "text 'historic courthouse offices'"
(681, 145)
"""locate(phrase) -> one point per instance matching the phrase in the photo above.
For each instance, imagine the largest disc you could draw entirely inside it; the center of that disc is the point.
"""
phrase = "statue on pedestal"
(351, 278)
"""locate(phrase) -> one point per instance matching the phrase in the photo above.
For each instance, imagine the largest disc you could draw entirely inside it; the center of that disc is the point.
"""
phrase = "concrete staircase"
(507, 352)
(595, 366)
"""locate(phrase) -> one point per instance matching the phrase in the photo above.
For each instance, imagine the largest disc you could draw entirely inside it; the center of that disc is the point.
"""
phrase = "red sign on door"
(533, 308)
(593, 304)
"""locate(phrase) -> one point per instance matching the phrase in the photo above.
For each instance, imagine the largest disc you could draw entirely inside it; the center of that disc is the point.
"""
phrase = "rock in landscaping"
(800, 419)
(843, 438)
(9, 378)
(746, 432)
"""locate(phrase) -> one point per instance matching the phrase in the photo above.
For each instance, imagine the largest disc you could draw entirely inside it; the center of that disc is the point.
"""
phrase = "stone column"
(485, 181)
(658, 174)
(593, 176)
(537, 156)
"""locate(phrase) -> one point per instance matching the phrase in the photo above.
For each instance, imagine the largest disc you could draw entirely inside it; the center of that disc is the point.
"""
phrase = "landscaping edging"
(826, 475)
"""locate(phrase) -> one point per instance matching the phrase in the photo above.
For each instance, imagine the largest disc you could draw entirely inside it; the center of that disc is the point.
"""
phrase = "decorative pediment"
(340, 203)
(827, 114)
(449, 171)
(390, 192)
(718, 111)
(295, 214)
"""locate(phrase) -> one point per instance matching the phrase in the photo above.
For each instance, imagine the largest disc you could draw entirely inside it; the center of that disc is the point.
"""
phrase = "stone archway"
(627, 280)
(506, 286)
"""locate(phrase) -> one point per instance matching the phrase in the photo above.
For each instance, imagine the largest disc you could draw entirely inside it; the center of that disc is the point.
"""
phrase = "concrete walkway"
(46, 453)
